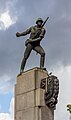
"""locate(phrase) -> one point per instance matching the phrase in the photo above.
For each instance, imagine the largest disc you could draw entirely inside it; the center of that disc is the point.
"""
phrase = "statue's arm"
(40, 37)
(25, 32)
(18, 34)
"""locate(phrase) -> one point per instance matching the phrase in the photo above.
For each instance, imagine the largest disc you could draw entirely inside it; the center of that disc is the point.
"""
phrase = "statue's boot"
(42, 60)
(22, 66)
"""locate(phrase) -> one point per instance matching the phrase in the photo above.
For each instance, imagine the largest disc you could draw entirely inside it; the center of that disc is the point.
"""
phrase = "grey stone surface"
(25, 82)
(39, 97)
(29, 80)
(29, 97)
(25, 101)
(40, 74)
(35, 113)
(46, 113)
(27, 114)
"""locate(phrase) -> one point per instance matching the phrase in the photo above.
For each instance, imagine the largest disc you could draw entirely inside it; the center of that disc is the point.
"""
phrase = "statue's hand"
(28, 41)
(17, 34)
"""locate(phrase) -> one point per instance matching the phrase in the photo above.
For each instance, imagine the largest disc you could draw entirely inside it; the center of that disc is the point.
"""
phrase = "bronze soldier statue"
(37, 33)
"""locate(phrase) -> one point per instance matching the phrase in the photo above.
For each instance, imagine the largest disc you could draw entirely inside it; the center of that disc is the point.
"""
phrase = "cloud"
(64, 75)
(6, 84)
(10, 115)
(7, 17)
(57, 42)
(0, 107)
(6, 20)
(11, 109)
(5, 116)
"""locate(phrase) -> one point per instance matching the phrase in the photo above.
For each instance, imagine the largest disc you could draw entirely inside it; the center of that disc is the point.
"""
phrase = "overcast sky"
(17, 16)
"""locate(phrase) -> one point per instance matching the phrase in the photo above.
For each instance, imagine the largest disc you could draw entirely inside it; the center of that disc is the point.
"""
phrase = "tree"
(69, 109)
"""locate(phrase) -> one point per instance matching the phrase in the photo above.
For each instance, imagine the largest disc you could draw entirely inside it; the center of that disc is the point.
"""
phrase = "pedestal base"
(29, 97)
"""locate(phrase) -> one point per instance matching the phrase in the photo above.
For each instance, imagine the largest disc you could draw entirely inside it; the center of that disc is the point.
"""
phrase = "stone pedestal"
(29, 97)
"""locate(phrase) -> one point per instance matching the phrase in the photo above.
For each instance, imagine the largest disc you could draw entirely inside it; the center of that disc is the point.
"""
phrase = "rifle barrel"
(45, 21)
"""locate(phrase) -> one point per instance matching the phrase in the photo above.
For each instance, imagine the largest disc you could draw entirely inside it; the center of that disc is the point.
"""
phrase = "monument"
(37, 33)
(36, 91)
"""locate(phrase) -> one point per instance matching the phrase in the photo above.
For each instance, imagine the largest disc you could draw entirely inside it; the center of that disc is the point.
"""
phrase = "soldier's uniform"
(34, 45)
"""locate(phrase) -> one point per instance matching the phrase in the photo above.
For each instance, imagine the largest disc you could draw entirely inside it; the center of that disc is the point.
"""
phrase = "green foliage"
(69, 108)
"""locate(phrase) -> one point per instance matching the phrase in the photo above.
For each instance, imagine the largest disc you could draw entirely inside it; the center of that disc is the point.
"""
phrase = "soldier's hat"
(39, 19)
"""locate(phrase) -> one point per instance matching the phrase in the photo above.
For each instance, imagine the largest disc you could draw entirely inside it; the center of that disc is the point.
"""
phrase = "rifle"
(45, 21)
(38, 31)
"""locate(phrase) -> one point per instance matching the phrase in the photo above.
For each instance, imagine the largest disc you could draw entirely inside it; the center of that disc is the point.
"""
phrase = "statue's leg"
(41, 51)
(26, 55)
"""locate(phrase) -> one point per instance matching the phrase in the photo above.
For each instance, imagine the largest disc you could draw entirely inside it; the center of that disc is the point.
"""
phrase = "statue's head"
(39, 21)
